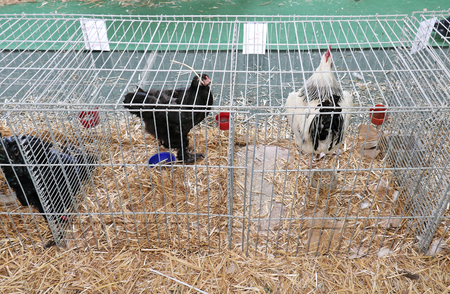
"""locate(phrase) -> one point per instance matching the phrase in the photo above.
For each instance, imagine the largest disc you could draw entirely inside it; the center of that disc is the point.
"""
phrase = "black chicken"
(58, 174)
(443, 27)
(171, 128)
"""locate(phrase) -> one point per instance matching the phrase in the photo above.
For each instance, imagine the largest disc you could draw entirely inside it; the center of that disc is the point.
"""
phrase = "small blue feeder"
(163, 157)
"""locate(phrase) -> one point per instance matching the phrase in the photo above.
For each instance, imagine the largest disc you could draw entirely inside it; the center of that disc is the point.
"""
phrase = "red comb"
(328, 53)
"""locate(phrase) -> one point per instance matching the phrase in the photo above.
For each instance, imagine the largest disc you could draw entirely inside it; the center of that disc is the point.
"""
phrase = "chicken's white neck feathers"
(322, 84)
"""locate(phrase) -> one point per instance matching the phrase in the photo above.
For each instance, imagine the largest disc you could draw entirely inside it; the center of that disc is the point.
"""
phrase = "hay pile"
(160, 270)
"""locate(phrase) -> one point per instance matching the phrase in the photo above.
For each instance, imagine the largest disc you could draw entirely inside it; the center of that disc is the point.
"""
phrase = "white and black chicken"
(320, 119)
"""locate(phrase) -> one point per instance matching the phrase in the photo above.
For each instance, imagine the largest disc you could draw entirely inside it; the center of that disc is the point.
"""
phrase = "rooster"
(320, 123)
(59, 174)
(171, 128)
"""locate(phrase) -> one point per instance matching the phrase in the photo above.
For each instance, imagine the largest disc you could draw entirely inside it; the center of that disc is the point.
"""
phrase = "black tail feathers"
(327, 123)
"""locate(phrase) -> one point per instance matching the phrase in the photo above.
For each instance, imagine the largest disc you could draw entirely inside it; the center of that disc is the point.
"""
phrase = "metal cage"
(63, 79)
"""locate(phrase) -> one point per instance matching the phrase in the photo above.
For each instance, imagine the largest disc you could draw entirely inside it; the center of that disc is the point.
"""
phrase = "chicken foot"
(189, 157)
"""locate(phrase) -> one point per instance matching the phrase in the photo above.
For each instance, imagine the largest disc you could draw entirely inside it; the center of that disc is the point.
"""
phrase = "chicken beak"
(206, 81)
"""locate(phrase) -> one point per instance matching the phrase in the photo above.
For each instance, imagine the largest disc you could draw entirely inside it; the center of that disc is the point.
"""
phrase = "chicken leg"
(188, 157)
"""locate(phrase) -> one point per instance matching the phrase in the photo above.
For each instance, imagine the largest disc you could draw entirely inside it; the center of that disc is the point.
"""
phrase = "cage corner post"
(429, 233)
(230, 169)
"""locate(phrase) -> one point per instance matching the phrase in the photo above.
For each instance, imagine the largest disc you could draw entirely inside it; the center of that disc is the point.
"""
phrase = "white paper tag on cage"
(95, 35)
(423, 35)
(255, 36)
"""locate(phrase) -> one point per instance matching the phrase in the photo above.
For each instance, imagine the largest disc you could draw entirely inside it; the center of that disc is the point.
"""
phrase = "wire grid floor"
(252, 191)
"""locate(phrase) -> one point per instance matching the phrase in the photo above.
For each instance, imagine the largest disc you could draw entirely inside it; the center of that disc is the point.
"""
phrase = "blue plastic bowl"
(165, 157)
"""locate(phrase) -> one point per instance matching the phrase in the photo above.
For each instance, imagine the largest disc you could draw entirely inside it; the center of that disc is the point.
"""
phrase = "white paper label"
(255, 36)
(94, 33)
(423, 35)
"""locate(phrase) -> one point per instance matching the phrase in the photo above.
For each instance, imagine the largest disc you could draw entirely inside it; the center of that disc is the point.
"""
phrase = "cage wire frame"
(253, 191)
(439, 205)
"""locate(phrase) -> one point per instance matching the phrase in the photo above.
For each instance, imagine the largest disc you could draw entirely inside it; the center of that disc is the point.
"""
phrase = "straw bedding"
(364, 194)
(124, 189)
(187, 238)
(184, 207)
(133, 271)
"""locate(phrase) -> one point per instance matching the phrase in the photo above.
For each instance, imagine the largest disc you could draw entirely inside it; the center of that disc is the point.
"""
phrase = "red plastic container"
(89, 118)
(379, 114)
(223, 120)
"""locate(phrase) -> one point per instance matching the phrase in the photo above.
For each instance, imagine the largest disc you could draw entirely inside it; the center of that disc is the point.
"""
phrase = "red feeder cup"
(223, 120)
(379, 114)
(89, 119)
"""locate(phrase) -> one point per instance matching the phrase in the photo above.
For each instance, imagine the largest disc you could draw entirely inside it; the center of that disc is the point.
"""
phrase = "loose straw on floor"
(176, 280)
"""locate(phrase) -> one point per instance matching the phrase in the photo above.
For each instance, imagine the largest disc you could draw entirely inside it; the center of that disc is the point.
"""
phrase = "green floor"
(230, 7)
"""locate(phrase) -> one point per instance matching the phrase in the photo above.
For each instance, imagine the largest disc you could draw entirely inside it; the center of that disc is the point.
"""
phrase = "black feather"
(171, 128)
(59, 174)
(443, 27)
(329, 122)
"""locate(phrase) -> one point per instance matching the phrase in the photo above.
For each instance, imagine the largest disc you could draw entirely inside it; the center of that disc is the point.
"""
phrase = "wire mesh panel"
(65, 80)
(432, 192)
